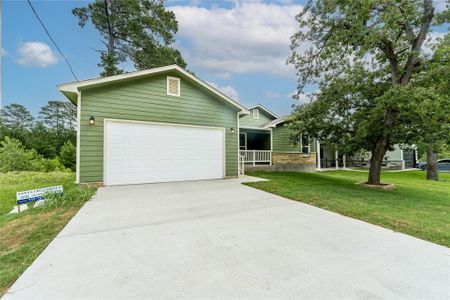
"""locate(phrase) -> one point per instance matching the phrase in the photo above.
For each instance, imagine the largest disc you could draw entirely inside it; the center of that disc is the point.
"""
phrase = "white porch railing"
(256, 156)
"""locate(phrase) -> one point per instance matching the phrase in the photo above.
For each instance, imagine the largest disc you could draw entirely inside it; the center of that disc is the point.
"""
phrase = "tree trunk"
(432, 170)
(376, 161)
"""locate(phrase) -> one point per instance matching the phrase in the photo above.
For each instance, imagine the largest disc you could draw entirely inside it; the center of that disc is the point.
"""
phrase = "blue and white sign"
(38, 194)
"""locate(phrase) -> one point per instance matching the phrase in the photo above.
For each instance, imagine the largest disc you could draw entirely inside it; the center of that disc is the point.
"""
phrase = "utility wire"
(54, 43)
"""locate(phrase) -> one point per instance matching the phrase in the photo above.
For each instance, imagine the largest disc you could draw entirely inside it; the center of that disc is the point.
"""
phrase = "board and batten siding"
(146, 100)
(248, 121)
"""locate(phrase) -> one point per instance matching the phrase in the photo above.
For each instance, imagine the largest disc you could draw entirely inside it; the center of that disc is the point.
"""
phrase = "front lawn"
(24, 236)
(416, 207)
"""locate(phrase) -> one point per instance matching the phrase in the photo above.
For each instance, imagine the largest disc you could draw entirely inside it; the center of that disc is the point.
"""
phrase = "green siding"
(146, 100)
(280, 140)
(248, 121)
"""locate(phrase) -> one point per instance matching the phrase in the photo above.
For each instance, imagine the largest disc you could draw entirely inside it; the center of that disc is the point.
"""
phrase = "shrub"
(14, 157)
(67, 155)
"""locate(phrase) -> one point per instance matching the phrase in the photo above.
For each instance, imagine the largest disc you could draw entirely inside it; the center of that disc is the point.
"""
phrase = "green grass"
(24, 236)
(416, 207)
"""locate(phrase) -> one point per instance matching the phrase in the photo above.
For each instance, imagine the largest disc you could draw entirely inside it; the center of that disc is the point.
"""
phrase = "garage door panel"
(146, 153)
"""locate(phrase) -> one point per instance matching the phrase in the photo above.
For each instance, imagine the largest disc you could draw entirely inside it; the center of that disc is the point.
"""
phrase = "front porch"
(255, 146)
(266, 149)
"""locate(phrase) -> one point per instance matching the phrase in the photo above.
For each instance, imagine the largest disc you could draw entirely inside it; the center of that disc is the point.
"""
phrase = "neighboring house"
(399, 158)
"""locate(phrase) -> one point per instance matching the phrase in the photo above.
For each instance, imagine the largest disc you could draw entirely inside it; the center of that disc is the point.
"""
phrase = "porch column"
(271, 145)
(318, 154)
(336, 157)
(344, 161)
(401, 158)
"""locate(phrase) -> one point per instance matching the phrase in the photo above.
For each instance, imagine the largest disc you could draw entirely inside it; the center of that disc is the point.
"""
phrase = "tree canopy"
(141, 31)
(433, 124)
(363, 56)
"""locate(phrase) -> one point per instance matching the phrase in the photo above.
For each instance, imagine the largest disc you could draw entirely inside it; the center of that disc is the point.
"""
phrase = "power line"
(54, 43)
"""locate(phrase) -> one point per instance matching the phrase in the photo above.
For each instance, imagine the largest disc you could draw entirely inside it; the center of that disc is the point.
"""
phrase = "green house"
(165, 124)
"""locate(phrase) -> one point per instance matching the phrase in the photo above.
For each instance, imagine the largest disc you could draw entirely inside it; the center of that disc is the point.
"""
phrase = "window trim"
(308, 146)
(255, 113)
(169, 78)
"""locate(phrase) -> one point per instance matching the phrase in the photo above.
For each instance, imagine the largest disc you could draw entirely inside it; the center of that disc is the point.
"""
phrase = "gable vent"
(255, 113)
(173, 86)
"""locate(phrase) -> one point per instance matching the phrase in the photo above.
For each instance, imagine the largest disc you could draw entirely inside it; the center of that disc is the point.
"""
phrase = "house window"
(173, 86)
(304, 144)
(255, 113)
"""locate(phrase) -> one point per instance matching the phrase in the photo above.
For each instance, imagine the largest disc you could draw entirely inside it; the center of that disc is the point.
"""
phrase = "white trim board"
(78, 148)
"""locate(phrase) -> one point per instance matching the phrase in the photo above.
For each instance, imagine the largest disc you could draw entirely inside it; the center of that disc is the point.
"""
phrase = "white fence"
(256, 156)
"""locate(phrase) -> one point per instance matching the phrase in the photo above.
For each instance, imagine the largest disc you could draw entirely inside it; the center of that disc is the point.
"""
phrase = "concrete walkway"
(221, 239)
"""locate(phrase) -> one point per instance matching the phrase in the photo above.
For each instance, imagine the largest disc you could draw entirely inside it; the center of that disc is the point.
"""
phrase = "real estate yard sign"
(38, 194)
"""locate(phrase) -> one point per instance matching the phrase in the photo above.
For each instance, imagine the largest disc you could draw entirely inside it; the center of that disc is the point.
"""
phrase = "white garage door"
(146, 153)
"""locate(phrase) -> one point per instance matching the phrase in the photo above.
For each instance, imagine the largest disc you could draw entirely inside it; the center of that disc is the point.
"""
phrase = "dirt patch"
(383, 186)
(14, 234)
(401, 223)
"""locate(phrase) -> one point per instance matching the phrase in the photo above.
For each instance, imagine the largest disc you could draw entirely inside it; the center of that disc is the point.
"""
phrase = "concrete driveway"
(220, 239)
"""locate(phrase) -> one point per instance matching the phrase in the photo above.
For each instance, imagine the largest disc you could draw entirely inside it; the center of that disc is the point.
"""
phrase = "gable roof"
(275, 122)
(71, 89)
(264, 109)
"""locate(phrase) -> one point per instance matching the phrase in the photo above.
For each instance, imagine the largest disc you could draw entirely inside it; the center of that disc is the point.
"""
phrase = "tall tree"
(15, 121)
(59, 118)
(16, 116)
(139, 30)
(58, 115)
(433, 129)
(380, 43)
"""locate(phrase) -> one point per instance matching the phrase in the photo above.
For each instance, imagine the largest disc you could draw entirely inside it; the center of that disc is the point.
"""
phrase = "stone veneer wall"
(288, 162)
(283, 158)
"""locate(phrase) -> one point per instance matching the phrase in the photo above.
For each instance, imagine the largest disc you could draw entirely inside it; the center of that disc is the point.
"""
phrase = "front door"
(243, 141)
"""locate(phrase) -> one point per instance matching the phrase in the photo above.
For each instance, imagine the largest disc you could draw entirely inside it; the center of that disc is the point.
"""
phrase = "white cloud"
(3, 52)
(249, 37)
(36, 54)
(226, 89)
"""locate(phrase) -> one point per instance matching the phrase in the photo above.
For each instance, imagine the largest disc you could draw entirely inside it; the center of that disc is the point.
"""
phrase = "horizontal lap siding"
(248, 121)
(146, 100)
(280, 140)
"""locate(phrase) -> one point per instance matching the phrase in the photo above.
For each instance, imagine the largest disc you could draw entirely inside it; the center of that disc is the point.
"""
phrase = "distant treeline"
(44, 143)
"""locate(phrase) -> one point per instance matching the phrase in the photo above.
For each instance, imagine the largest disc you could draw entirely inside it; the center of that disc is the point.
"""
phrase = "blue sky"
(240, 47)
